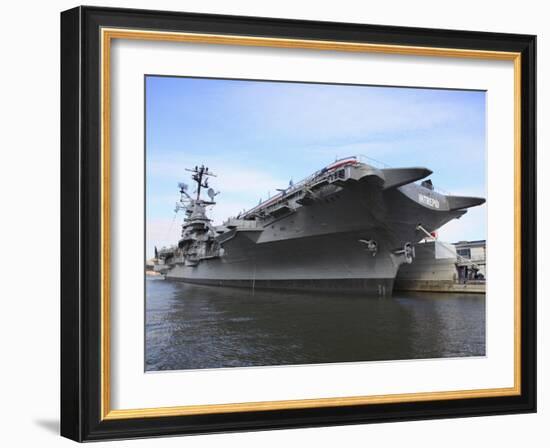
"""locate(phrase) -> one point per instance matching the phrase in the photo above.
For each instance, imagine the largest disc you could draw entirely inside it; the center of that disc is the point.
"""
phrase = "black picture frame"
(81, 381)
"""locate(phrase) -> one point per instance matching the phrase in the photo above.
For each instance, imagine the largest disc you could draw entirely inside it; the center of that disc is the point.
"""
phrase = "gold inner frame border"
(107, 35)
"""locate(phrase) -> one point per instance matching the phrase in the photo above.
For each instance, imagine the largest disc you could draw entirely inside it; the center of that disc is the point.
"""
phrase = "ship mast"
(200, 176)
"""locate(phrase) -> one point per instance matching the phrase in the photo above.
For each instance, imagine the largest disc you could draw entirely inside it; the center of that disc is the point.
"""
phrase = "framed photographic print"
(273, 223)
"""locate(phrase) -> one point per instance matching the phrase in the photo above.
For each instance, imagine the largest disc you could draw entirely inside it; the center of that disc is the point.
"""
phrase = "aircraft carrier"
(347, 227)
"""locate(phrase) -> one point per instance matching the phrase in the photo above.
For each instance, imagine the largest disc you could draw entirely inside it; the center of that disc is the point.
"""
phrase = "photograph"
(273, 222)
(298, 223)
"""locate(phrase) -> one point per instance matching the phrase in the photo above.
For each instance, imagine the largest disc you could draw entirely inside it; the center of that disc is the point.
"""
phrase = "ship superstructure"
(348, 226)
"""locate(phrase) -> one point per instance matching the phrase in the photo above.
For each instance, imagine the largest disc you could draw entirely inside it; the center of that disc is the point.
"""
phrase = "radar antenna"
(212, 194)
(200, 176)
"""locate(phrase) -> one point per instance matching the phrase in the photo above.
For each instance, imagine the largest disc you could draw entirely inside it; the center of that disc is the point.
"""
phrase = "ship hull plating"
(368, 286)
(338, 261)
(350, 232)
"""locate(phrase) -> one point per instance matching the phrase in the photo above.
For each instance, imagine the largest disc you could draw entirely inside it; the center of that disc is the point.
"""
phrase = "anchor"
(407, 252)
(372, 246)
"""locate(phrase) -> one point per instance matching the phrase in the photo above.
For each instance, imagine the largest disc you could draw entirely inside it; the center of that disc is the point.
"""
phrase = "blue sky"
(257, 135)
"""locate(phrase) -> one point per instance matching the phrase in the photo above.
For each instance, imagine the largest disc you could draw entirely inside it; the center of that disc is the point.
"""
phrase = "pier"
(444, 267)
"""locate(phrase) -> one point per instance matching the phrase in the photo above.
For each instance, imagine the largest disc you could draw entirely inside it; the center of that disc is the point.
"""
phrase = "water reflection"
(194, 327)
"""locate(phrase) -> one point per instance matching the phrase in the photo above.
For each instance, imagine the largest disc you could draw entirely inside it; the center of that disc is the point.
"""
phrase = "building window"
(466, 253)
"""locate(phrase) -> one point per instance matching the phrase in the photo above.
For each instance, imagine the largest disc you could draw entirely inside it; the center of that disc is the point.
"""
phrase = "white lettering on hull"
(428, 200)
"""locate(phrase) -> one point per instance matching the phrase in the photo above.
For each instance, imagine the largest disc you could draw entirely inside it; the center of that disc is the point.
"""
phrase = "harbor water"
(197, 327)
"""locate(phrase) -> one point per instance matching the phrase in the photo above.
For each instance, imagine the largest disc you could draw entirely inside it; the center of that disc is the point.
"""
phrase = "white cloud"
(471, 226)
(240, 187)
(344, 112)
(161, 232)
(250, 181)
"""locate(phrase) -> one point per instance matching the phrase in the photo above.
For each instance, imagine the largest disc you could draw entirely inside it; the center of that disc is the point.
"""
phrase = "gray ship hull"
(371, 287)
(323, 262)
(320, 237)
